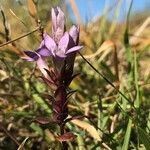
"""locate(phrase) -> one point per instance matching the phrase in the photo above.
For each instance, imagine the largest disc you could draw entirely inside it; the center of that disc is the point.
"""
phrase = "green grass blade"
(41, 103)
(115, 18)
(127, 136)
(137, 100)
(37, 128)
(144, 138)
(80, 142)
(128, 51)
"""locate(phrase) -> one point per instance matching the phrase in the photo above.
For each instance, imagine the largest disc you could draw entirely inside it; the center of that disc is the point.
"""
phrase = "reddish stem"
(64, 144)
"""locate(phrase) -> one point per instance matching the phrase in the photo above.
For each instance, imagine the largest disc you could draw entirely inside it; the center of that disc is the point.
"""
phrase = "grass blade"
(144, 138)
(127, 136)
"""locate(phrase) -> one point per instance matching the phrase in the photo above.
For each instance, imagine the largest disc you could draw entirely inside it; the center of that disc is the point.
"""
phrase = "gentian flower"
(65, 46)
(61, 46)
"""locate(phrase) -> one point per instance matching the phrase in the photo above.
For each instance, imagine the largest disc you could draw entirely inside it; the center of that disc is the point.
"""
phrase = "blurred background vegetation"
(120, 50)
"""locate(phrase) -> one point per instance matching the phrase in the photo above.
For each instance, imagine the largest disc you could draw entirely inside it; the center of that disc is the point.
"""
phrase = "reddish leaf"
(66, 137)
(42, 120)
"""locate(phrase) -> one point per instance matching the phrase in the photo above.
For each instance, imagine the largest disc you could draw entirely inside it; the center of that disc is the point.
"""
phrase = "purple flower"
(65, 46)
(61, 46)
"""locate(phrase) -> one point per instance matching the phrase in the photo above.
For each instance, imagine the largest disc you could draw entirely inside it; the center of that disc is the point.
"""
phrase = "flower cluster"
(61, 47)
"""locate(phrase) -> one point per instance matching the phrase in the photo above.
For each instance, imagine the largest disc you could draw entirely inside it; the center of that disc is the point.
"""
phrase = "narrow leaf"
(88, 127)
(144, 138)
(32, 8)
(127, 136)
(22, 144)
(37, 128)
(66, 137)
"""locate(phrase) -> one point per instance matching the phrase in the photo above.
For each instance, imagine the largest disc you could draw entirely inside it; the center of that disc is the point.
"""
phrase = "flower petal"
(73, 49)
(50, 43)
(60, 19)
(53, 15)
(31, 56)
(58, 23)
(63, 45)
(74, 33)
(43, 51)
(42, 43)
(60, 54)
(42, 66)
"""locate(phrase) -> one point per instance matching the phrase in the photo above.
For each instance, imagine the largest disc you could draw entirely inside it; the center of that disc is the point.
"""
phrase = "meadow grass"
(113, 85)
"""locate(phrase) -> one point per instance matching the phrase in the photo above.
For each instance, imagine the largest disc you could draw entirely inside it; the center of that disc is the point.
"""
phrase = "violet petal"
(42, 66)
(73, 49)
(74, 33)
(44, 51)
(63, 45)
(49, 43)
(54, 18)
(33, 56)
(58, 23)
(60, 54)
(42, 43)
(60, 19)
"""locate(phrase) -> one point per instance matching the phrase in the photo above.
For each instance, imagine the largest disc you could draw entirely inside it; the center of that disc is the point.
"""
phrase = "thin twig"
(9, 135)
(5, 24)
(116, 65)
(20, 37)
(107, 80)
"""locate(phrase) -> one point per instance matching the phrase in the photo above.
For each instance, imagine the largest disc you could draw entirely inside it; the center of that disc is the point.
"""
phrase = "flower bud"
(74, 33)
(58, 23)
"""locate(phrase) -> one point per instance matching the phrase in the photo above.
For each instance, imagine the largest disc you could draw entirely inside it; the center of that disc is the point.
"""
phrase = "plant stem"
(64, 144)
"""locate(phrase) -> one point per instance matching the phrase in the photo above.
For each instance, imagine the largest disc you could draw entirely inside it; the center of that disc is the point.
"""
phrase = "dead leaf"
(88, 127)
(32, 8)
(42, 120)
(22, 144)
(50, 135)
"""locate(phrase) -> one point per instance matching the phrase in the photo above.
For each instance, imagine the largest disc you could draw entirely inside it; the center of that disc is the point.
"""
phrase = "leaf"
(41, 103)
(37, 128)
(80, 142)
(127, 136)
(51, 136)
(43, 120)
(144, 138)
(88, 127)
(69, 136)
(137, 101)
(32, 8)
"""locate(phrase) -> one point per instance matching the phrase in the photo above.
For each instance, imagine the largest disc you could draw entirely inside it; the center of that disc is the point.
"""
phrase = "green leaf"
(138, 99)
(37, 128)
(127, 136)
(144, 138)
(41, 103)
